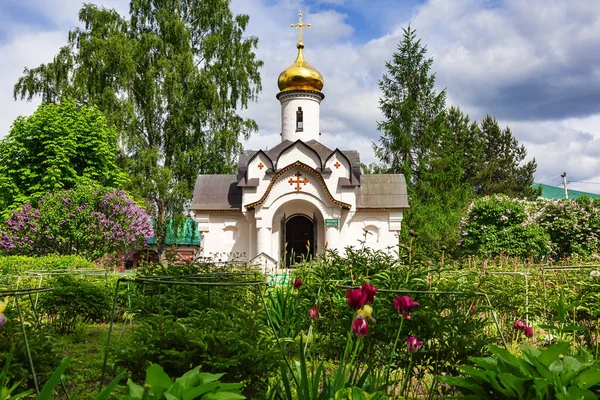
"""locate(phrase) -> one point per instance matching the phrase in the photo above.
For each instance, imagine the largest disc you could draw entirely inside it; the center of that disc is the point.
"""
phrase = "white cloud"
(535, 65)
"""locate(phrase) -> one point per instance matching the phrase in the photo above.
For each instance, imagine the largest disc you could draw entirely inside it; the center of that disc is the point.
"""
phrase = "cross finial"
(300, 26)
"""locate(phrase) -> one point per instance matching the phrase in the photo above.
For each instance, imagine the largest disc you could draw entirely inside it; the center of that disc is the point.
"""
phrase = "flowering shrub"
(90, 221)
(500, 225)
(573, 225)
(497, 225)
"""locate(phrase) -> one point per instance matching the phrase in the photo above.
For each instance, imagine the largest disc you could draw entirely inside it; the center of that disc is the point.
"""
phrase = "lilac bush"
(90, 221)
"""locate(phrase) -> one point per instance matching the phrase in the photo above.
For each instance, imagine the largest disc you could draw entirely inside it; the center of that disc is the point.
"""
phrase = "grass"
(86, 347)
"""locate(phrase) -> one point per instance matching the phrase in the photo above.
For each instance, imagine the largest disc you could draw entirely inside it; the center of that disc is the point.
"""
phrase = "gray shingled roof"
(216, 192)
(323, 151)
(382, 191)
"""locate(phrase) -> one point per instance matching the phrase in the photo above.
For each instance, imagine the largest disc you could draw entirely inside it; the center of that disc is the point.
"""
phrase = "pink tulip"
(297, 283)
(412, 344)
(473, 307)
(355, 298)
(520, 325)
(313, 313)
(368, 292)
(404, 304)
(407, 317)
(528, 330)
(2, 319)
(360, 327)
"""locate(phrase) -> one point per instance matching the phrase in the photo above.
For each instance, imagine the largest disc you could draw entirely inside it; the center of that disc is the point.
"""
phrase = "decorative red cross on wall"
(261, 165)
(298, 181)
(337, 164)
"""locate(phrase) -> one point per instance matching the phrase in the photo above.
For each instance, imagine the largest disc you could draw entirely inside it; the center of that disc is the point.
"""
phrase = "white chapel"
(299, 198)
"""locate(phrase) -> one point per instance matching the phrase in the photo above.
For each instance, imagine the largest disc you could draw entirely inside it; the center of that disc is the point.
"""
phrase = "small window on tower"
(299, 122)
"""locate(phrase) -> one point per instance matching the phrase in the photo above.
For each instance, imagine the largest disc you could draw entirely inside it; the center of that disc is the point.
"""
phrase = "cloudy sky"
(533, 64)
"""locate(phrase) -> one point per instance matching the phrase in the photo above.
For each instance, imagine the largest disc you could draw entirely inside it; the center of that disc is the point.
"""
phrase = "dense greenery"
(58, 147)
(446, 159)
(499, 224)
(89, 221)
(170, 77)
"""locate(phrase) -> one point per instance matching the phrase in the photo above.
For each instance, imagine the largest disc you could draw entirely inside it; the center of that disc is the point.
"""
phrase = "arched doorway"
(300, 238)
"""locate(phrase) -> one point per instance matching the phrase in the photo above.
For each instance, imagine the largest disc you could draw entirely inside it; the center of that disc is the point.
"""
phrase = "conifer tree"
(171, 77)
(413, 110)
(502, 170)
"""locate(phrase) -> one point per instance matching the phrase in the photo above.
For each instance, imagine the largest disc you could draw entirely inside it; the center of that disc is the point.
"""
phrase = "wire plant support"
(197, 280)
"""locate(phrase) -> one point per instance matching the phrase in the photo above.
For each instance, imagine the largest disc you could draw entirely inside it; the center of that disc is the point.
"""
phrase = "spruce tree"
(412, 110)
(503, 170)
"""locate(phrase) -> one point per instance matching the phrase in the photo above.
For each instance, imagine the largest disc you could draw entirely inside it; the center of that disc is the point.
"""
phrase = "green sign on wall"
(332, 222)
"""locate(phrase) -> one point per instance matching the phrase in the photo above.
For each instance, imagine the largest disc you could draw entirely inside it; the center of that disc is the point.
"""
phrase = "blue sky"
(534, 65)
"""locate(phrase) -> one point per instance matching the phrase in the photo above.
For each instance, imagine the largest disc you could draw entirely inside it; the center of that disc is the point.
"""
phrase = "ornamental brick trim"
(305, 167)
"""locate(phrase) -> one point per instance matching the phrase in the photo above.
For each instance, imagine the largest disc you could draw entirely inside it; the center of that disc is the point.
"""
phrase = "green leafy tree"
(171, 77)
(58, 147)
(502, 170)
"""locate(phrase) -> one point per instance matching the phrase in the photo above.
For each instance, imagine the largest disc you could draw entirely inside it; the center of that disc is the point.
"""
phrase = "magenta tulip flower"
(368, 292)
(473, 307)
(355, 298)
(2, 319)
(412, 344)
(519, 325)
(297, 283)
(360, 327)
(313, 313)
(404, 304)
(528, 330)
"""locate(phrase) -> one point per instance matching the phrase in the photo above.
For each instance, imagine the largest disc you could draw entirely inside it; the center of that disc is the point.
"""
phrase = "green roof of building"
(557, 193)
(186, 236)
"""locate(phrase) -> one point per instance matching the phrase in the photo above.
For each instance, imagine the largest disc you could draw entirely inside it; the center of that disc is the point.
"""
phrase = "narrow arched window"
(299, 120)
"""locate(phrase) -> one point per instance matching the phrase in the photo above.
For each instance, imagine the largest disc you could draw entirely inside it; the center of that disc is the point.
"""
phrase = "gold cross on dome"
(300, 26)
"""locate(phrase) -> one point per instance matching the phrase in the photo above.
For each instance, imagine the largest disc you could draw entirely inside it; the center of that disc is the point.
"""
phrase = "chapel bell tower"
(300, 96)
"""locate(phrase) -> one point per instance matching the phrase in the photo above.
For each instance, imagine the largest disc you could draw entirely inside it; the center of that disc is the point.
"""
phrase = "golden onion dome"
(300, 75)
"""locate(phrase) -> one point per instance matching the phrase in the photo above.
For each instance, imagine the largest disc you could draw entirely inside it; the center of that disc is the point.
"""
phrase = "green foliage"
(411, 107)
(72, 301)
(573, 225)
(222, 328)
(58, 147)
(88, 220)
(171, 77)
(13, 348)
(191, 385)
(549, 374)
(498, 225)
(6, 389)
(15, 265)
(503, 170)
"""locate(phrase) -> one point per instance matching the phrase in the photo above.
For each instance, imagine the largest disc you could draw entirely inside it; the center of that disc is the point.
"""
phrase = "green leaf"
(588, 378)
(106, 392)
(553, 352)
(223, 396)
(517, 385)
(158, 380)
(136, 391)
(48, 389)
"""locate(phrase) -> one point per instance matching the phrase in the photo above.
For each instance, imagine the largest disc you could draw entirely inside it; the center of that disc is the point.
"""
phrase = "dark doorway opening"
(300, 239)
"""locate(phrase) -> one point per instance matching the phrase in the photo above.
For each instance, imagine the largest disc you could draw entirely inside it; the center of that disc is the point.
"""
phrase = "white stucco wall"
(311, 109)
(224, 236)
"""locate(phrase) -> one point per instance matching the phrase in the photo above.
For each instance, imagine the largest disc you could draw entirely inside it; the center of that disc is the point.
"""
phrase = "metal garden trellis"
(26, 292)
(198, 280)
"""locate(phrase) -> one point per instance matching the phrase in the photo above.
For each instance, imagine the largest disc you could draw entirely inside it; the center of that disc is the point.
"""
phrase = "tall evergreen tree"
(502, 170)
(171, 78)
(412, 110)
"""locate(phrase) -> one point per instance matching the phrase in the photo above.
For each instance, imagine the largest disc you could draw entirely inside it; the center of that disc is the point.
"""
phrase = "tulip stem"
(406, 375)
(387, 370)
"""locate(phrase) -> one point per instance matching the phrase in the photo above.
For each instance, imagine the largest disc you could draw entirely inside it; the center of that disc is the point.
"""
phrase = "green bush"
(15, 265)
(498, 225)
(553, 373)
(74, 300)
